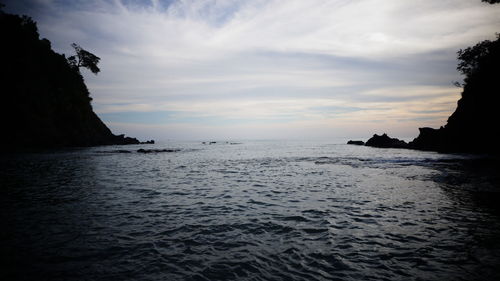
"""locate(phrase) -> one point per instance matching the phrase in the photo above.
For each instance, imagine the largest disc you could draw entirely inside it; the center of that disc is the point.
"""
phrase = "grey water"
(255, 210)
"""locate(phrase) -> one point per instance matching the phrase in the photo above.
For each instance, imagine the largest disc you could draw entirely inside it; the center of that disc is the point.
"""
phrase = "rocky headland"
(474, 126)
(45, 102)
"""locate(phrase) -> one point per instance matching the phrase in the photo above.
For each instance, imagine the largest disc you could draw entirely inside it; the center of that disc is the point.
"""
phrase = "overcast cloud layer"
(269, 69)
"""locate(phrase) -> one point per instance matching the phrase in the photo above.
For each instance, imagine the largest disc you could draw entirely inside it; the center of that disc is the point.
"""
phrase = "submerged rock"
(116, 151)
(142, 150)
(356, 142)
(384, 141)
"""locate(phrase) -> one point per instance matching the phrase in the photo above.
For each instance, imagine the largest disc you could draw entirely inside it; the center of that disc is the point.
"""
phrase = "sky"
(274, 69)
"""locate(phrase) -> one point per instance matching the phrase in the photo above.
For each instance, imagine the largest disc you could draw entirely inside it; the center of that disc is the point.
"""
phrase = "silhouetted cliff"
(45, 102)
(474, 126)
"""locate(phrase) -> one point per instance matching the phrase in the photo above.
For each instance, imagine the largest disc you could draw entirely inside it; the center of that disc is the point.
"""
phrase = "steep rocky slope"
(45, 102)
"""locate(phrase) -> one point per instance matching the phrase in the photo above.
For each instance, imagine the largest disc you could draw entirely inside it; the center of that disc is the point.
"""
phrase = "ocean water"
(261, 210)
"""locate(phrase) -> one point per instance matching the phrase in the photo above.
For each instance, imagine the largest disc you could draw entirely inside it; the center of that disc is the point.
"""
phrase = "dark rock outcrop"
(122, 139)
(430, 139)
(356, 142)
(45, 102)
(385, 141)
(122, 151)
(142, 150)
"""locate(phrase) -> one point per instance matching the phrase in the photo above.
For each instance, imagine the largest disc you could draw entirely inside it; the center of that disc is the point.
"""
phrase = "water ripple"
(255, 211)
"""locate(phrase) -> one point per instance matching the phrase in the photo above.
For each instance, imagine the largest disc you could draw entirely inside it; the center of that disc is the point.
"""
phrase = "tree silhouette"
(85, 59)
(472, 58)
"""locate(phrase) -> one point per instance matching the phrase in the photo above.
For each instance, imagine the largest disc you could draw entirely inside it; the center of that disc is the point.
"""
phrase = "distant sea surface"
(260, 210)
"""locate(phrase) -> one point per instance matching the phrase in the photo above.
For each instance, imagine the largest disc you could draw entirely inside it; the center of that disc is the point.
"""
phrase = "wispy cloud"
(344, 67)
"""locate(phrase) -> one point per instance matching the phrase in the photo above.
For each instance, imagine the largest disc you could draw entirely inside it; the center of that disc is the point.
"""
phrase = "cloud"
(269, 64)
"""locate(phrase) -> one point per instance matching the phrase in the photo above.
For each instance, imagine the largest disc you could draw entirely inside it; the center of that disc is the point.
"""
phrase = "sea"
(248, 210)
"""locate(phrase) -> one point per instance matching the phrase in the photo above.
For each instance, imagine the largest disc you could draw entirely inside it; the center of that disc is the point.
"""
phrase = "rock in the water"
(357, 142)
(122, 139)
(142, 150)
(116, 151)
(385, 141)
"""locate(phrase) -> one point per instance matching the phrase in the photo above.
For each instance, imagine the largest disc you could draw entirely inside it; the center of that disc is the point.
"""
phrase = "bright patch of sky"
(269, 69)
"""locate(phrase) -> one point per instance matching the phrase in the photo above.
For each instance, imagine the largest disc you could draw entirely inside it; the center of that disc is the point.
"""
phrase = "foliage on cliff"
(84, 58)
(45, 102)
